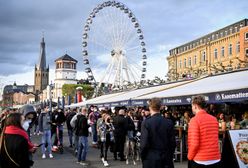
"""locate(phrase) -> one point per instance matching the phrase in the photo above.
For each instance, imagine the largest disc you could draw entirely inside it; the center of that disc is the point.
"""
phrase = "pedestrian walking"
(121, 127)
(83, 133)
(203, 132)
(106, 136)
(45, 130)
(69, 117)
(157, 139)
(93, 117)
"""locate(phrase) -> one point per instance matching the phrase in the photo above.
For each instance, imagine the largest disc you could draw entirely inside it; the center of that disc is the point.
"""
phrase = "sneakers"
(43, 156)
(51, 156)
(105, 163)
(83, 163)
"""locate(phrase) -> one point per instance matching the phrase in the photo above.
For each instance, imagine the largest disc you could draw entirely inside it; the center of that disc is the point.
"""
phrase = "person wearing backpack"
(82, 131)
(69, 117)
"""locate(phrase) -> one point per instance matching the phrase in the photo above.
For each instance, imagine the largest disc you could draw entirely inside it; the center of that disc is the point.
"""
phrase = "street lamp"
(50, 97)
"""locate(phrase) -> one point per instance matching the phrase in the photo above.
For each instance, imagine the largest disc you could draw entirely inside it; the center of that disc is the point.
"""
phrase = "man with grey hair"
(121, 126)
(83, 133)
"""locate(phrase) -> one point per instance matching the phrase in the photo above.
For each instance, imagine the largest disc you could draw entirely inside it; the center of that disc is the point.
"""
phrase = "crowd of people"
(145, 133)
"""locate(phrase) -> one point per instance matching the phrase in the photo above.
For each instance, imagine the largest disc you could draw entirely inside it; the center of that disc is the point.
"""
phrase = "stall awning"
(124, 98)
(219, 88)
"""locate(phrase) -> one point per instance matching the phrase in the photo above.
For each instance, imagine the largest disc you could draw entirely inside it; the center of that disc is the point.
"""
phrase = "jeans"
(82, 148)
(60, 127)
(46, 138)
(70, 135)
(94, 133)
(76, 139)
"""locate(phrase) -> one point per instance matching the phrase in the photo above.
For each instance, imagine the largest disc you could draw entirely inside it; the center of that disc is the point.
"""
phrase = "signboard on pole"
(237, 140)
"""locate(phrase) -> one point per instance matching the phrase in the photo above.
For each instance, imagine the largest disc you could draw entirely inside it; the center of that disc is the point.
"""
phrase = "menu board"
(239, 141)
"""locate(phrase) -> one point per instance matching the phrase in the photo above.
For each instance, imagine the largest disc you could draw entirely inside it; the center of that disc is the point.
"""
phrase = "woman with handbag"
(15, 145)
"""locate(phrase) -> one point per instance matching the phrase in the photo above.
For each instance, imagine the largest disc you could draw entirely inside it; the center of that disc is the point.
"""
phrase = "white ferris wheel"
(114, 51)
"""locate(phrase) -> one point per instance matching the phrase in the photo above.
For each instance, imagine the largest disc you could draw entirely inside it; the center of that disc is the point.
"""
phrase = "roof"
(228, 87)
(66, 57)
(19, 88)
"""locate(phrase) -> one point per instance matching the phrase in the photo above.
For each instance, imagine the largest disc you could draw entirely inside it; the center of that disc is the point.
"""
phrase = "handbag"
(5, 148)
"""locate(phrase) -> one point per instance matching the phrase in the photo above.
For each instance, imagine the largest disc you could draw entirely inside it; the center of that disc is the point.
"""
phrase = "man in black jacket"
(121, 127)
(157, 139)
(83, 133)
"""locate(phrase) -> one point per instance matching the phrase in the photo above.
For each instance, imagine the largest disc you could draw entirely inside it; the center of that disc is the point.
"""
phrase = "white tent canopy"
(211, 84)
(124, 96)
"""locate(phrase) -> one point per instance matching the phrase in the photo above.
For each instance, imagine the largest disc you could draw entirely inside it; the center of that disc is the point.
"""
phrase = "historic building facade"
(41, 74)
(65, 73)
(220, 51)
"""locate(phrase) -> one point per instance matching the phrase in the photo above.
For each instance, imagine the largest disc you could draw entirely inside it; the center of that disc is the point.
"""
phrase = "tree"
(70, 90)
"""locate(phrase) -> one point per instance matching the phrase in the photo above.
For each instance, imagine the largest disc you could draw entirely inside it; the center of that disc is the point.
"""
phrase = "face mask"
(26, 124)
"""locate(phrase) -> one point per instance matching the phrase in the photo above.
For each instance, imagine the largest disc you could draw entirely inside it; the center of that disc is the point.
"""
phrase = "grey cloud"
(170, 22)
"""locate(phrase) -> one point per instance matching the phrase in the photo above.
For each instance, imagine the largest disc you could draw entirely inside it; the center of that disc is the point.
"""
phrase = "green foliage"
(70, 89)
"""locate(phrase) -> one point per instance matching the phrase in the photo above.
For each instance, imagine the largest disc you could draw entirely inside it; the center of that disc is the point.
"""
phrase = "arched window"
(215, 53)
(195, 60)
(230, 49)
(203, 56)
(189, 61)
(223, 51)
(238, 47)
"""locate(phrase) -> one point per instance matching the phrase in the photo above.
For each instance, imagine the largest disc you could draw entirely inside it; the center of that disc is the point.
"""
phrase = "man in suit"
(157, 139)
(121, 126)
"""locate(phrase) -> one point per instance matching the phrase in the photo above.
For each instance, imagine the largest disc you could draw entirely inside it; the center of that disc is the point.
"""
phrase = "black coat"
(157, 142)
(121, 126)
(82, 126)
(17, 147)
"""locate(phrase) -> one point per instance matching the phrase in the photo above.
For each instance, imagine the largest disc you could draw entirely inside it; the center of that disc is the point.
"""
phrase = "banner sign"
(239, 139)
(215, 97)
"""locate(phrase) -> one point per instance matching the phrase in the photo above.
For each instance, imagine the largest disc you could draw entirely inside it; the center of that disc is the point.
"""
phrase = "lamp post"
(50, 97)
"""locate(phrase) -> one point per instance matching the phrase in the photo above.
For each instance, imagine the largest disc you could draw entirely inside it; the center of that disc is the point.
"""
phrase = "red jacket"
(203, 137)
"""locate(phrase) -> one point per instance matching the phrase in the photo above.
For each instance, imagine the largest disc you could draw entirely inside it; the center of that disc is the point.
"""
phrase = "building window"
(185, 62)
(230, 49)
(195, 59)
(236, 29)
(189, 62)
(246, 36)
(215, 53)
(180, 64)
(223, 51)
(238, 47)
(203, 56)
(246, 52)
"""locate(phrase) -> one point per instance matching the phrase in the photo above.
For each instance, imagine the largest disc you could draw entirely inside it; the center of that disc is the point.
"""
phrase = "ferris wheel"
(114, 51)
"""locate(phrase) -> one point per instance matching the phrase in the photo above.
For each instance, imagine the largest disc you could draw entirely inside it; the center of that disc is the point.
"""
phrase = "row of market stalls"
(227, 87)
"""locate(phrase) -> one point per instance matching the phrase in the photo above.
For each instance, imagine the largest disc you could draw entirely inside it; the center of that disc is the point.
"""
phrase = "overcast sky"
(165, 24)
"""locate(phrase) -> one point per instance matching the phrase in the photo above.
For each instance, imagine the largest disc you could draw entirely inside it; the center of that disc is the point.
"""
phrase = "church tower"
(41, 73)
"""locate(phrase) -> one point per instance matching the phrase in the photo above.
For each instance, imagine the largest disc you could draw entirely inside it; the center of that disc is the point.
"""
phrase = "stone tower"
(65, 73)
(41, 73)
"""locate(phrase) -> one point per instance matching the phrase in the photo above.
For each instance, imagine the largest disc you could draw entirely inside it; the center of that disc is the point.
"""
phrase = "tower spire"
(42, 59)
